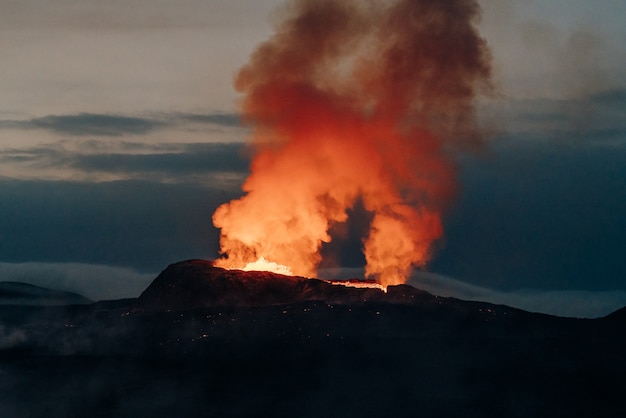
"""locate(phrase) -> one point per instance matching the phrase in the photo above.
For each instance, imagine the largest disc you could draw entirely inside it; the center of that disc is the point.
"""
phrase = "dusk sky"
(119, 137)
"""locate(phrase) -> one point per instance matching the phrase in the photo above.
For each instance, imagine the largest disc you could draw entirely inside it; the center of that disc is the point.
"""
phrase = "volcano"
(204, 341)
(196, 284)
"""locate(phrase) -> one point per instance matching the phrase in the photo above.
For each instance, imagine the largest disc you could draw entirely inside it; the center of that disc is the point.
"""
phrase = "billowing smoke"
(355, 100)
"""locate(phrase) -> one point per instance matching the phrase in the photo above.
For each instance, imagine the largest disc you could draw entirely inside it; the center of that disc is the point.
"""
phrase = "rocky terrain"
(203, 341)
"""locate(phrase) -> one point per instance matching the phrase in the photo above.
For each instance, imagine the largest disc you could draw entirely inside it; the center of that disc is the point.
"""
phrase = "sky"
(119, 136)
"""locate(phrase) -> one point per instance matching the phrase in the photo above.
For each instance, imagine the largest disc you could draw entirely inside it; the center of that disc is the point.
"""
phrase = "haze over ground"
(119, 138)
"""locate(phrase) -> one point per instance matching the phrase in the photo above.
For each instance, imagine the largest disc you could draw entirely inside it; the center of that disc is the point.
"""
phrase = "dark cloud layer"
(594, 118)
(84, 124)
(131, 223)
(199, 158)
(540, 214)
(170, 162)
(191, 159)
(88, 124)
(225, 119)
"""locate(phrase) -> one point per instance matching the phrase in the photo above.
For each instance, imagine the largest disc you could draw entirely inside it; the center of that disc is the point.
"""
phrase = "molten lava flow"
(355, 100)
(360, 284)
(263, 265)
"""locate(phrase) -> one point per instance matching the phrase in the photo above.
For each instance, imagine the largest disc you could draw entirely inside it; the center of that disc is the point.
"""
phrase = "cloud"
(541, 214)
(225, 119)
(211, 163)
(137, 224)
(96, 282)
(84, 124)
(185, 159)
(596, 117)
(195, 159)
(170, 147)
(92, 124)
(570, 303)
(556, 49)
(121, 16)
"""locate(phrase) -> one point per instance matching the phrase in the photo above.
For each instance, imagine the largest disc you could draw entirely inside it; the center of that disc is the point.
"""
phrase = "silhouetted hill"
(15, 293)
(203, 341)
(617, 316)
(196, 284)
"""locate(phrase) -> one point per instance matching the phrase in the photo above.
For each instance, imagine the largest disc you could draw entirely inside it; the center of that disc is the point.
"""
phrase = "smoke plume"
(355, 100)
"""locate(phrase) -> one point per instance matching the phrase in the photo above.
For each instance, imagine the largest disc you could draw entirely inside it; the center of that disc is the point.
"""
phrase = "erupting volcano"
(355, 101)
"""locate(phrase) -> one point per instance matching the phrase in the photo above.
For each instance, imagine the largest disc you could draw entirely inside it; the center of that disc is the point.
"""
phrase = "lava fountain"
(353, 100)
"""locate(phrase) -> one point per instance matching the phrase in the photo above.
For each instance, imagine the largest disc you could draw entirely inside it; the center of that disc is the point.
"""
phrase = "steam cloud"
(355, 100)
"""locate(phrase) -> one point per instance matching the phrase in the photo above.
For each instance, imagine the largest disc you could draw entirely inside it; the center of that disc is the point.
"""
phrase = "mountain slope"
(195, 284)
(203, 341)
(16, 293)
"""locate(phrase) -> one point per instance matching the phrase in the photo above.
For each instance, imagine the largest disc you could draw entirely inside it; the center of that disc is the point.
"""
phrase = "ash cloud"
(356, 100)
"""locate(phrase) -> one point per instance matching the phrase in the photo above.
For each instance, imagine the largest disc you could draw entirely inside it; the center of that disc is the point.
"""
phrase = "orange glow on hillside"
(354, 100)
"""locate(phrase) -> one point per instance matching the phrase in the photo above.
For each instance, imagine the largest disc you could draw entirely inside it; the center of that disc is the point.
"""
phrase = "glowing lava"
(355, 100)
(359, 284)
(263, 265)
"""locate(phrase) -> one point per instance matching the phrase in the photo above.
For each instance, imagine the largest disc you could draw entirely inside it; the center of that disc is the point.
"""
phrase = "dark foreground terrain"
(203, 342)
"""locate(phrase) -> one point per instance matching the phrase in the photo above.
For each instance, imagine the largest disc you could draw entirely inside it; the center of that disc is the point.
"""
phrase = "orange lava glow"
(355, 100)
(359, 284)
(263, 265)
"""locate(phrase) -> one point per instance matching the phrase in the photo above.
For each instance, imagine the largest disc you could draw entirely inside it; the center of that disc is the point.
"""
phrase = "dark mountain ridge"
(17, 293)
(204, 341)
(196, 284)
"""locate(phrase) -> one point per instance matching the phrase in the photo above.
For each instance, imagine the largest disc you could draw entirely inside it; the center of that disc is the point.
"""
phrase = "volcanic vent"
(355, 101)
(196, 284)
